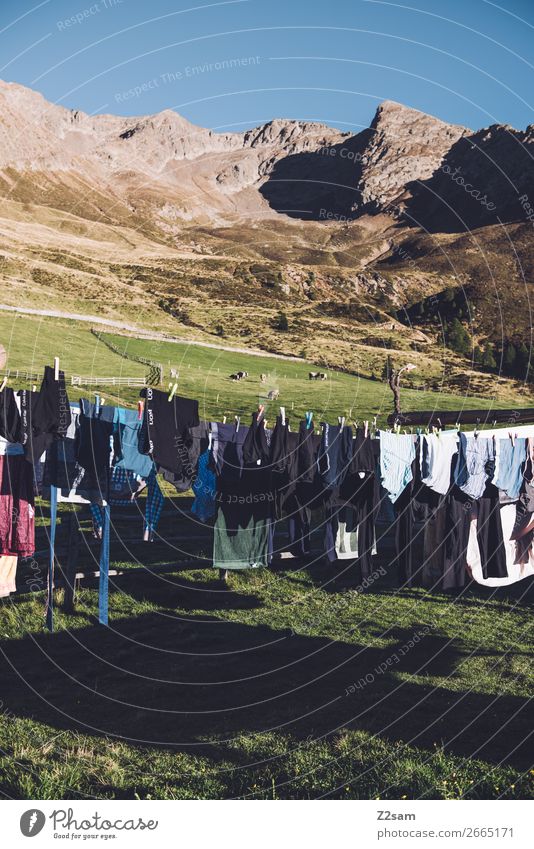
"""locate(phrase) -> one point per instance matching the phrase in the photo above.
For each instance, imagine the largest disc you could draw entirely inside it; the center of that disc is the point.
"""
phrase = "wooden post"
(71, 566)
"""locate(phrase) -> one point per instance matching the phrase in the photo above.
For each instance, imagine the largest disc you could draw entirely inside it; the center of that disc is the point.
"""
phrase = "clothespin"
(309, 419)
(97, 404)
(476, 427)
(172, 393)
(341, 420)
(261, 411)
(439, 422)
(56, 368)
(283, 414)
(237, 423)
(365, 428)
(140, 409)
(34, 388)
(3, 386)
(224, 420)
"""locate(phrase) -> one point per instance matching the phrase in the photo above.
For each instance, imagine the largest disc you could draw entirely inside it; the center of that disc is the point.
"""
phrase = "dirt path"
(143, 334)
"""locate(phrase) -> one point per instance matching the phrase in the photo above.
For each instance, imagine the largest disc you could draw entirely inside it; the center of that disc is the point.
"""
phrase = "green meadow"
(295, 682)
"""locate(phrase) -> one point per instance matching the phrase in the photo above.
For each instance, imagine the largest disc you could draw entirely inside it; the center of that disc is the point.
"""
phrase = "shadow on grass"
(163, 680)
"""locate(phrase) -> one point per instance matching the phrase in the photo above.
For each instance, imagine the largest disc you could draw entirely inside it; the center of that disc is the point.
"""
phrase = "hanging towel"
(397, 451)
(437, 453)
(8, 573)
(475, 464)
(512, 458)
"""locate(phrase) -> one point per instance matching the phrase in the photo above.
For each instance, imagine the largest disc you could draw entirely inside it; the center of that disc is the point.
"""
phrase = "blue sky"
(232, 65)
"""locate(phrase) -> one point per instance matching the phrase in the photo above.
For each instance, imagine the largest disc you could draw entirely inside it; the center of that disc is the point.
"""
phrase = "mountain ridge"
(200, 229)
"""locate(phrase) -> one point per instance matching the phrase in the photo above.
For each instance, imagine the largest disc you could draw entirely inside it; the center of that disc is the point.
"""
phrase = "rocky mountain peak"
(298, 168)
(404, 145)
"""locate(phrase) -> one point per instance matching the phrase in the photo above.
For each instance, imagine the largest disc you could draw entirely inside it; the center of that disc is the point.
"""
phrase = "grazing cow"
(273, 394)
(239, 375)
(317, 375)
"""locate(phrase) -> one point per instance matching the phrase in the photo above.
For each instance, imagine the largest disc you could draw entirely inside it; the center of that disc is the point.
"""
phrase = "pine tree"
(282, 322)
(509, 358)
(522, 361)
(458, 338)
(488, 359)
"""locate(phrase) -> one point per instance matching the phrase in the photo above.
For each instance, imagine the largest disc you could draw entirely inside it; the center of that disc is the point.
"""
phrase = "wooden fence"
(90, 380)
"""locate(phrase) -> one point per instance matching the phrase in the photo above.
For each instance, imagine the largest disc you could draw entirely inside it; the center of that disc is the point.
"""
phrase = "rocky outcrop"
(404, 146)
(485, 178)
(436, 175)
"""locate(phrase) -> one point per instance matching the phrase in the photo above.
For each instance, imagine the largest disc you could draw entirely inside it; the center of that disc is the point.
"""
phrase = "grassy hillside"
(204, 374)
(341, 287)
(33, 341)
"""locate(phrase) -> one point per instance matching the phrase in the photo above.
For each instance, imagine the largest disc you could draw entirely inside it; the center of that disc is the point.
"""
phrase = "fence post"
(69, 573)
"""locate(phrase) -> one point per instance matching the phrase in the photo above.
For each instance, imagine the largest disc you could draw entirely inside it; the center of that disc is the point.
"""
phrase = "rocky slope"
(170, 170)
(152, 212)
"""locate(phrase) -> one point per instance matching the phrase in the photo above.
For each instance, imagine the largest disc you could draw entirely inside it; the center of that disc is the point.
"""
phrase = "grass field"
(204, 373)
(32, 342)
(196, 690)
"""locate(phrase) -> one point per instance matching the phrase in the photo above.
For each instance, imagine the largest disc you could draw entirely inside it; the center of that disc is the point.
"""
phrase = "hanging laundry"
(517, 567)
(437, 451)
(475, 464)
(512, 457)
(205, 489)
(101, 412)
(11, 430)
(308, 447)
(293, 492)
(125, 489)
(523, 528)
(353, 509)
(397, 452)
(17, 513)
(199, 442)
(62, 469)
(8, 574)
(94, 449)
(166, 432)
(34, 442)
(243, 526)
(126, 443)
(335, 454)
(10, 425)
